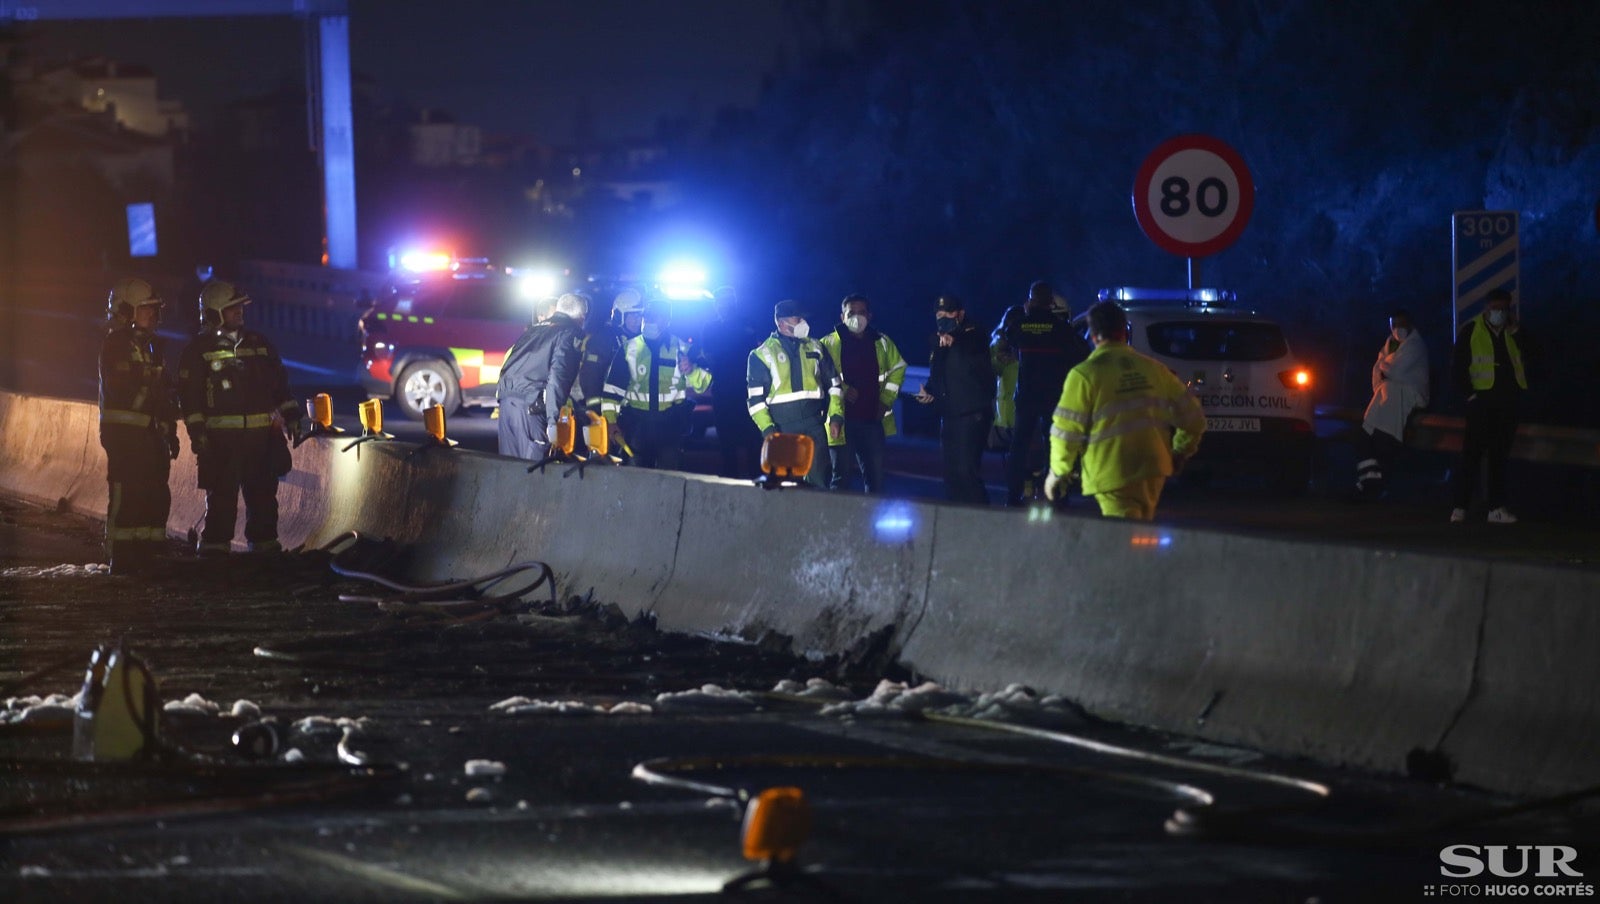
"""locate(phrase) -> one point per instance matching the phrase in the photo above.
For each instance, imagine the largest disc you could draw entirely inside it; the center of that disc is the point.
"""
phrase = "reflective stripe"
(756, 392)
(196, 418)
(1058, 433)
(1067, 414)
(891, 387)
(1143, 423)
(782, 397)
(238, 421)
(130, 418)
(759, 406)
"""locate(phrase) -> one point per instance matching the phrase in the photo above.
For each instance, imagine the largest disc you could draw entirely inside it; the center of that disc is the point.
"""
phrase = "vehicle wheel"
(425, 384)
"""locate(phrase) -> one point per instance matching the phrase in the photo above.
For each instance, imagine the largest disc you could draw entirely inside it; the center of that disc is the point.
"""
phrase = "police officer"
(234, 392)
(870, 370)
(138, 427)
(537, 377)
(1125, 419)
(961, 381)
(647, 393)
(792, 387)
(1045, 348)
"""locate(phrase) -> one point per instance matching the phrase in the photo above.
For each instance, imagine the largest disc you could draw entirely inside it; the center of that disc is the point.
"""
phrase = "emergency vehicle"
(441, 332)
(1256, 394)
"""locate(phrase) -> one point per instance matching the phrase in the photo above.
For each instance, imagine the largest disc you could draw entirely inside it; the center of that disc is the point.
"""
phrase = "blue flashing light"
(894, 522)
(537, 284)
(682, 273)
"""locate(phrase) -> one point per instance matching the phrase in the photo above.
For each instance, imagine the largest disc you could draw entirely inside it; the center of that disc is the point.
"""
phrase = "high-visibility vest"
(891, 372)
(1117, 411)
(1481, 367)
(770, 388)
(628, 384)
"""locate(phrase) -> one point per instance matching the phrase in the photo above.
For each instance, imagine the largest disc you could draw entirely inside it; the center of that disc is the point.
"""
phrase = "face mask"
(1400, 333)
(802, 330)
(946, 325)
(1496, 318)
(652, 332)
(855, 323)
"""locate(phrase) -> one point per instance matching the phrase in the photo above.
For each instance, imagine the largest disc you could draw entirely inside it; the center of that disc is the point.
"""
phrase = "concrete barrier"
(1348, 655)
(829, 576)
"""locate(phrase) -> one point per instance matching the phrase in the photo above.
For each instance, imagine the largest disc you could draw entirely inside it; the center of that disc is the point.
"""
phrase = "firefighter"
(648, 392)
(537, 378)
(1125, 418)
(138, 427)
(234, 392)
(603, 340)
(792, 387)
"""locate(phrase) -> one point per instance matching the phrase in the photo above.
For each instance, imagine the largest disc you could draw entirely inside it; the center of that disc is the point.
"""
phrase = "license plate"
(1233, 424)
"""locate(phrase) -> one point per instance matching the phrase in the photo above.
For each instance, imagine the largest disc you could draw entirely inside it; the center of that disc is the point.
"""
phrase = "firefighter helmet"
(215, 297)
(628, 301)
(127, 294)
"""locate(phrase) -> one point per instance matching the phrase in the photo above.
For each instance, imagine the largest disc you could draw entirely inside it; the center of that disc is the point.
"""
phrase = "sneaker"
(1501, 516)
(1458, 515)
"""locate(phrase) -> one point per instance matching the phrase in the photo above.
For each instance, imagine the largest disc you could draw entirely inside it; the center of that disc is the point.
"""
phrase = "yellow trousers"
(1135, 501)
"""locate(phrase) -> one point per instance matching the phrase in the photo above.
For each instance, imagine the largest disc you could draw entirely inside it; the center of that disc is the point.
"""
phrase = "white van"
(1256, 395)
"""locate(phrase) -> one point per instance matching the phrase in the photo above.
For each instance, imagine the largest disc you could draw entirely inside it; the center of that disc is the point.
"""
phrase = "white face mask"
(1496, 318)
(1400, 333)
(802, 330)
(855, 323)
(652, 332)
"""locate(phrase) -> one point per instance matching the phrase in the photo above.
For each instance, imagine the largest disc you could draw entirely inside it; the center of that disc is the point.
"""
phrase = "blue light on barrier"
(895, 522)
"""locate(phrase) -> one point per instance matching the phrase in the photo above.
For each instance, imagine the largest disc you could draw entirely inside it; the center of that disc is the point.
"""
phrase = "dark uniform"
(961, 381)
(535, 381)
(727, 346)
(235, 396)
(139, 431)
(1046, 349)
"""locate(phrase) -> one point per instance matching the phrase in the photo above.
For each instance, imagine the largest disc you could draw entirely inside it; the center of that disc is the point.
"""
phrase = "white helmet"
(215, 297)
(628, 301)
(127, 294)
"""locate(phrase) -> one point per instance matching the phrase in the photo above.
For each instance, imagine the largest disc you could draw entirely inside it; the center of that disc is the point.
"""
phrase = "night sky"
(518, 67)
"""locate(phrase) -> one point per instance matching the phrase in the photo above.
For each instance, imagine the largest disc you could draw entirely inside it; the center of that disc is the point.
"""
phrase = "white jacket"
(1399, 385)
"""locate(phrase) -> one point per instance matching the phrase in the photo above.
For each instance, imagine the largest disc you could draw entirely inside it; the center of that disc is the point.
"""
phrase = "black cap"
(950, 303)
(787, 308)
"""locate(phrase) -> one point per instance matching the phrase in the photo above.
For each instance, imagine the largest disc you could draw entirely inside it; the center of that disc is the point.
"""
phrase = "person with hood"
(1041, 339)
(871, 370)
(1399, 387)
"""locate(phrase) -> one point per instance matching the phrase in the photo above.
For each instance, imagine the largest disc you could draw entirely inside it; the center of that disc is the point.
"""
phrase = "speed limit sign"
(1193, 195)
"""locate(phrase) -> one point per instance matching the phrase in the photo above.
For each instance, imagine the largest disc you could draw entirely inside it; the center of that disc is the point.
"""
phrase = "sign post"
(1484, 256)
(1193, 196)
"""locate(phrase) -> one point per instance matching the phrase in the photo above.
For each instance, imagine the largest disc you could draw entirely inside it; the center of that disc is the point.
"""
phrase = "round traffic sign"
(1193, 195)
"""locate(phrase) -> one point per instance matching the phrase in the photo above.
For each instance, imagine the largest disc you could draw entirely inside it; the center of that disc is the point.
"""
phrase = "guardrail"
(1544, 443)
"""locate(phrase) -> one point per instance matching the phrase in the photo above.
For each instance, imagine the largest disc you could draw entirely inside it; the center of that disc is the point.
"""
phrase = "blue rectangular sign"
(142, 230)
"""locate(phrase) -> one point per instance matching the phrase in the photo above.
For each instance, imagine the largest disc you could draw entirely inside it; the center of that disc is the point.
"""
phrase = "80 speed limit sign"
(1193, 195)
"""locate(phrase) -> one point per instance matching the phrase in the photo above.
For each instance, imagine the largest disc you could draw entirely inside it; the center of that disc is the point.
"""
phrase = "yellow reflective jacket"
(640, 361)
(1481, 343)
(891, 372)
(1123, 415)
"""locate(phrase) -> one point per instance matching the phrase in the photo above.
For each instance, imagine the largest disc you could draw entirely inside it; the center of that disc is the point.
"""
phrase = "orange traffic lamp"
(785, 460)
(776, 822)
